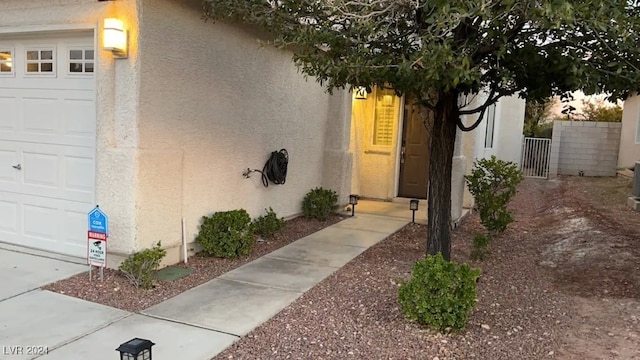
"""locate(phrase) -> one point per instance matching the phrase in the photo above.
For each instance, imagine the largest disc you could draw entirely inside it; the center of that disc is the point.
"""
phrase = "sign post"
(97, 241)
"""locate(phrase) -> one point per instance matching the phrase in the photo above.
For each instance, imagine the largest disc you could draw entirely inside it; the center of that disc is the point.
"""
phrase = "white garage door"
(47, 141)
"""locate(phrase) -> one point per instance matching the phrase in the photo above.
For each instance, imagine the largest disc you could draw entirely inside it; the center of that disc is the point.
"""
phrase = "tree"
(598, 110)
(536, 115)
(441, 52)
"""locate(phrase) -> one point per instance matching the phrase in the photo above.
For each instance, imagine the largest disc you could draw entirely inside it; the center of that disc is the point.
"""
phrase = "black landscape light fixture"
(135, 349)
(353, 201)
(413, 205)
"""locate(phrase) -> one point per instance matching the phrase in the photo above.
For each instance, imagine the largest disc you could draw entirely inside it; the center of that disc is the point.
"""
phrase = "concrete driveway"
(20, 273)
(41, 324)
(33, 321)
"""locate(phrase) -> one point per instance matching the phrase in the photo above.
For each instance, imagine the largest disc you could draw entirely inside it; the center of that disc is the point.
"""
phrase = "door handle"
(17, 167)
(402, 155)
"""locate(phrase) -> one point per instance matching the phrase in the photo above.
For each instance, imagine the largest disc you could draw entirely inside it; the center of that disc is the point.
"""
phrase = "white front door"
(47, 141)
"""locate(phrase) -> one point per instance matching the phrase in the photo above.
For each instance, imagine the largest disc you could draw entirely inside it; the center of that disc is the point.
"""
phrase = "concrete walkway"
(199, 323)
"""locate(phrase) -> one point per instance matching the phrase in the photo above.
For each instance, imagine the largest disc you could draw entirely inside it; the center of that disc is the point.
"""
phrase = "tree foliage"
(421, 47)
(599, 110)
(537, 114)
(441, 52)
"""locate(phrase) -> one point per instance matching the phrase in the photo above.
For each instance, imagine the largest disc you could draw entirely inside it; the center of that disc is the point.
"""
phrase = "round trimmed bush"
(319, 203)
(440, 293)
(226, 234)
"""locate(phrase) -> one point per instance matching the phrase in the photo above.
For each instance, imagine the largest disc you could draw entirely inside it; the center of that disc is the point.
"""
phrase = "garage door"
(47, 141)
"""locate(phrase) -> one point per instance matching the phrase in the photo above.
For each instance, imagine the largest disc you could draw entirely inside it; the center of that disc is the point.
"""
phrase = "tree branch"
(475, 124)
(491, 48)
(492, 99)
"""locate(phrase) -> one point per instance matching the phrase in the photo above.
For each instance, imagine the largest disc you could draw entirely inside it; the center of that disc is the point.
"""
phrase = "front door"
(414, 158)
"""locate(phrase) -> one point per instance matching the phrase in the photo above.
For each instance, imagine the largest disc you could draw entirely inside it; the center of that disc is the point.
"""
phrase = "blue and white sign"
(98, 221)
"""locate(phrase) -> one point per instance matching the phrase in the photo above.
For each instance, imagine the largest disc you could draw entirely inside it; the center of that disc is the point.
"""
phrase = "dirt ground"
(595, 257)
(563, 282)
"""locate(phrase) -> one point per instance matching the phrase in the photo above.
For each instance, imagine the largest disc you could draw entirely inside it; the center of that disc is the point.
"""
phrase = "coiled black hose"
(275, 169)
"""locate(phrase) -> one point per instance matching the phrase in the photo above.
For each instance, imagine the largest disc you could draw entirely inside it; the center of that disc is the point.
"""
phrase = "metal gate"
(535, 157)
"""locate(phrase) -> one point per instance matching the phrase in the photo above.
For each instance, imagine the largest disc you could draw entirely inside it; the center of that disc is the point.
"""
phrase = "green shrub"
(319, 203)
(226, 234)
(139, 267)
(269, 224)
(480, 243)
(493, 183)
(440, 293)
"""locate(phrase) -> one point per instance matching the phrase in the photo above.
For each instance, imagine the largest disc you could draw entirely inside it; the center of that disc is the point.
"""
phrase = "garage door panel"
(79, 174)
(50, 117)
(40, 116)
(61, 172)
(74, 238)
(47, 139)
(40, 222)
(53, 171)
(11, 206)
(9, 113)
(8, 217)
(40, 170)
(78, 115)
(8, 158)
(54, 225)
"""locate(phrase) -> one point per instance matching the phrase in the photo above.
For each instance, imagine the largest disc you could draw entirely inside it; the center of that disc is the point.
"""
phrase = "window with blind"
(490, 130)
(384, 118)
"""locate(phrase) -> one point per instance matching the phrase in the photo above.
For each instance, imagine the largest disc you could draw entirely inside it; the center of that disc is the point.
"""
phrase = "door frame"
(396, 172)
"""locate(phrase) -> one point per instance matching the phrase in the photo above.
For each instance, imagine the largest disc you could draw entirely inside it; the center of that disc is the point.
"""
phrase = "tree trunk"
(443, 137)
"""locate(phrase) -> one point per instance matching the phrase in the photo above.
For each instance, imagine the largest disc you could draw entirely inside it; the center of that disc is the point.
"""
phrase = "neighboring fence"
(585, 148)
(535, 157)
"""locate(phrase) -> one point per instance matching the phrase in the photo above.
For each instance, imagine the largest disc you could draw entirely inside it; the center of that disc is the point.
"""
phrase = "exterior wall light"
(413, 205)
(115, 38)
(353, 201)
(135, 349)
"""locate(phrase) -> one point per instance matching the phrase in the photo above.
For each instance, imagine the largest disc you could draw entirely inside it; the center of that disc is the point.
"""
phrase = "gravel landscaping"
(563, 282)
(116, 291)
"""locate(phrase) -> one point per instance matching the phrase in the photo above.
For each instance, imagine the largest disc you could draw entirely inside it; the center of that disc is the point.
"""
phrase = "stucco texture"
(214, 102)
(507, 135)
(510, 121)
(629, 152)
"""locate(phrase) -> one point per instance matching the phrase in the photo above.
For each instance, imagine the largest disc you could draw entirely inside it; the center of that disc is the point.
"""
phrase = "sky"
(556, 109)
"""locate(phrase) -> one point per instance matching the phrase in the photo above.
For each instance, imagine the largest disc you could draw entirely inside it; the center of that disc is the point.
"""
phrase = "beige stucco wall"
(214, 102)
(507, 136)
(507, 144)
(116, 98)
(509, 121)
(374, 171)
(629, 149)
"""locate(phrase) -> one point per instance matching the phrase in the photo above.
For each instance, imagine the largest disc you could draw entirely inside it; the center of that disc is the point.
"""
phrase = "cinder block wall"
(587, 146)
